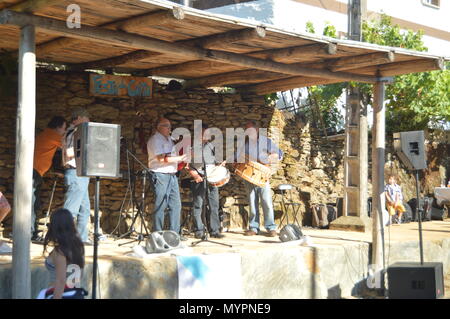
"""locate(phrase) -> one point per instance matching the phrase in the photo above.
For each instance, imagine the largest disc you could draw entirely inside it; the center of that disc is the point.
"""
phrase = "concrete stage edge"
(334, 266)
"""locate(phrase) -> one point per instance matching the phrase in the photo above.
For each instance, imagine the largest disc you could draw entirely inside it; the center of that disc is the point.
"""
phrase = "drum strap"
(196, 171)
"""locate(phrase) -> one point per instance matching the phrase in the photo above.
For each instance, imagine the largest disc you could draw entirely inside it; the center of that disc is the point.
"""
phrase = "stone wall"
(311, 163)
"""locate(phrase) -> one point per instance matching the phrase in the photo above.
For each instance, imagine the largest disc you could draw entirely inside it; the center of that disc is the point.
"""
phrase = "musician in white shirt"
(162, 163)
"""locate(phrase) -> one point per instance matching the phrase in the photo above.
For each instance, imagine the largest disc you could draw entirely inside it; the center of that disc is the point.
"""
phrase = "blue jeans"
(167, 196)
(77, 200)
(255, 194)
(199, 192)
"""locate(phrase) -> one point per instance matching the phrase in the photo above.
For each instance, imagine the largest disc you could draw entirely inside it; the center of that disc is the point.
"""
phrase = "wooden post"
(378, 152)
(356, 148)
(23, 177)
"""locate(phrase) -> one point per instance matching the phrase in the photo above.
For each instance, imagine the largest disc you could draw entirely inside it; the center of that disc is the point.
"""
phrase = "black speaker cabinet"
(162, 241)
(97, 149)
(409, 280)
(410, 147)
(290, 232)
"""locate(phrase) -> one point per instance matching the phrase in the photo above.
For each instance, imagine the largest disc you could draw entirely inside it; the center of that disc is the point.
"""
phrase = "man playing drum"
(204, 153)
(260, 149)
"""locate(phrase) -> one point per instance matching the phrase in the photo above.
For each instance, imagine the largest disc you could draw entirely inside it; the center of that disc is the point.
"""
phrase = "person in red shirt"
(46, 144)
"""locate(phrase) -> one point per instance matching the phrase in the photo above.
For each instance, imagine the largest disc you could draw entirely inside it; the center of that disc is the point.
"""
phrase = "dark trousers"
(198, 193)
(36, 201)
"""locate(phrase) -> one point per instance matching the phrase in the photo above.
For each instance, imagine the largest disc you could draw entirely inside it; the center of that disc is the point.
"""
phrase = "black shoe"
(199, 235)
(217, 235)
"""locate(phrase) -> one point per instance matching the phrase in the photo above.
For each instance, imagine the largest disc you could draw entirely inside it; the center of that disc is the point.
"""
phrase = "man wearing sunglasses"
(163, 163)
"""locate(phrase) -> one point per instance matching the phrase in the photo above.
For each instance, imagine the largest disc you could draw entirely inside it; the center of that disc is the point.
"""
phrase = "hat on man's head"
(79, 112)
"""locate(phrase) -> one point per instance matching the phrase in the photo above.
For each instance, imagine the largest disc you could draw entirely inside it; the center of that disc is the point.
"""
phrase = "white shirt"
(393, 190)
(68, 155)
(158, 144)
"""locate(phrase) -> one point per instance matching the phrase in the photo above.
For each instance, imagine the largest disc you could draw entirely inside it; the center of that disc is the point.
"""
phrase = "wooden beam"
(359, 61)
(413, 66)
(159, 17)
(135, 41)
(285, 84)
(307, 52)
(319, 50)
(222, 39)
(54, 45)
(378, 161)
(111, 62)
(32, 5)
(172, 69)
(209, 41)
(266, 54)
(241, 77)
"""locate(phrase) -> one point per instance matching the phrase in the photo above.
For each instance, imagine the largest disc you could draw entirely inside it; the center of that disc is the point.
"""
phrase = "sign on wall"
(122, 86)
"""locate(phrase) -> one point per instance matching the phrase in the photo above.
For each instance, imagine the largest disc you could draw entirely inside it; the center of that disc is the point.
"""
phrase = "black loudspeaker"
(97, 149)
(415, 281)
(407, 216)
(162, 241)
(438, 212)
(290, 232)
(410, 147)
(424, 204)
(340, 206)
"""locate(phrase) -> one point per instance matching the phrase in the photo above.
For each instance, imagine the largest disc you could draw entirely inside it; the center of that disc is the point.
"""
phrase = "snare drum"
(217, 175)
(253, 172)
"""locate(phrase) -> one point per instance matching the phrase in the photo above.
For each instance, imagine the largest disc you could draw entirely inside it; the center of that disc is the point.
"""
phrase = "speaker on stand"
(97, 154)
(414, 280)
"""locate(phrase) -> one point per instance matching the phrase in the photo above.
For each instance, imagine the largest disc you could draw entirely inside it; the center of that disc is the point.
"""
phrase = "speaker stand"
(96, 236)
(419, 216)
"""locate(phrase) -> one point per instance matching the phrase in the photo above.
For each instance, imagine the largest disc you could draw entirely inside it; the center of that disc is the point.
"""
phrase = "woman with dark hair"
(66, 261)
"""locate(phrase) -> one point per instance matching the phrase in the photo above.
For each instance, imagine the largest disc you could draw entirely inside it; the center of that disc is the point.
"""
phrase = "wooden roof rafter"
(345, 63)
(135, 41)
(31, 5)
(236, 77)
(286, 84)
(404, 67)
(159, 17)
(202, 42)
(153, 37)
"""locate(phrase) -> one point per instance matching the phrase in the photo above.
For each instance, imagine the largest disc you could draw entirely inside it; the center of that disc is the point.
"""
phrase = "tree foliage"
(414, 101)
(323, 98)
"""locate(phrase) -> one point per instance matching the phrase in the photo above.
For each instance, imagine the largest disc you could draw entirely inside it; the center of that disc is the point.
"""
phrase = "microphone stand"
(140, 208)
(206, 198)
